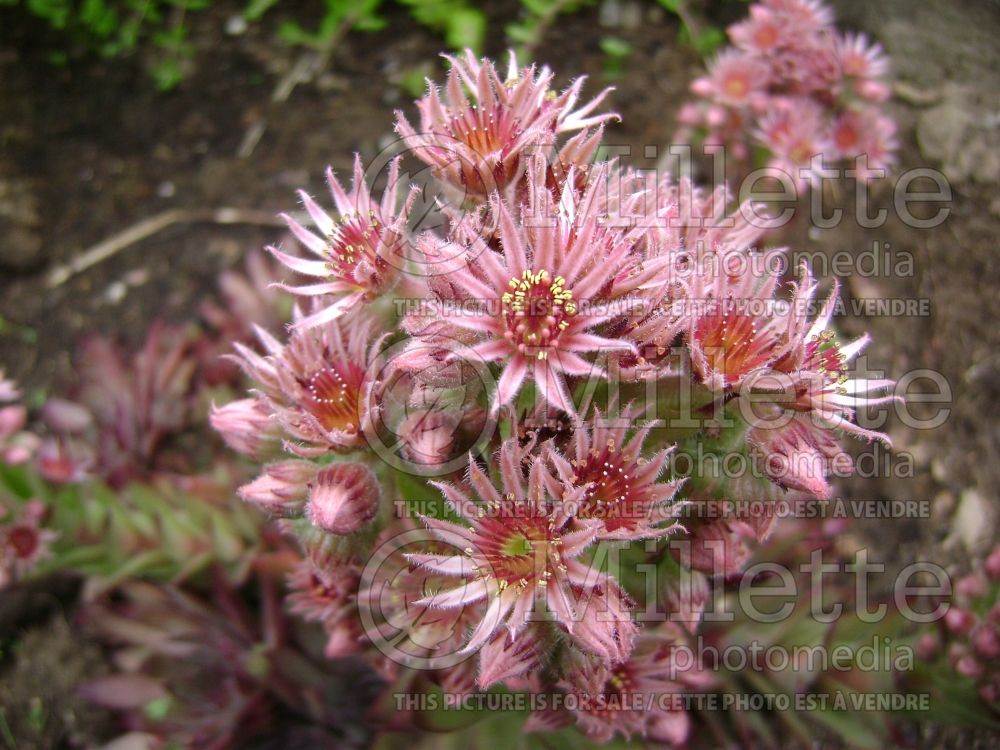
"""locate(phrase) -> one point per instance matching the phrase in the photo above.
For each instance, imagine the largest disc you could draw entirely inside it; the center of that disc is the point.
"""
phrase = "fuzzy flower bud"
(992, 565)
(16, 446)
(971, 586)
(969, 666)
(429, 437)
(282, 489)
(343, 499)
(794, 460)
(928, 646)
(246, 426)
(12, 419)
(986, 642)
(959, 621)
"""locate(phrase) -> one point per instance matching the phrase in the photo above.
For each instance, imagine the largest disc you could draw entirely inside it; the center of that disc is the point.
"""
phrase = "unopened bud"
(928, 646)
(992, 565)
(968, 666)
(282, 488)
(343, 498)
(428, 437)
(972, 586)
(246, 425)
(986, 641)
(959, 621)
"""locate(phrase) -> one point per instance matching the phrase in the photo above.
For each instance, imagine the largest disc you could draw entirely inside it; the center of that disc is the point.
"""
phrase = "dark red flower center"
(23, 540)
(353, 239)
(611, 493)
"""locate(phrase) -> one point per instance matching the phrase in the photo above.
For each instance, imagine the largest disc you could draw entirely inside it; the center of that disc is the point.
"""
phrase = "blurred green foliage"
(704, 39)
(341, 16)
(153, 531)
(536, 17)
(113, 28)
(160, 28)
(616, 51)
(459, 21)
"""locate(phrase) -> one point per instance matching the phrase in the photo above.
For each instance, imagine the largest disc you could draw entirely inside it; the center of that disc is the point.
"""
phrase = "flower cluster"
(477, 136)
(24, 540)
(792, 84)
(464, 426)
(17, 445)
(969, 639)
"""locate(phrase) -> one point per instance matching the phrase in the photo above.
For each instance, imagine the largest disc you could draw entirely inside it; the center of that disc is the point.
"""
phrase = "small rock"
(115, 292)
(616, 14)
(328, 82)
(961, 135)
(941, 131)
(972, 524)
(942, 507)
(940, 471)
(236, 26)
